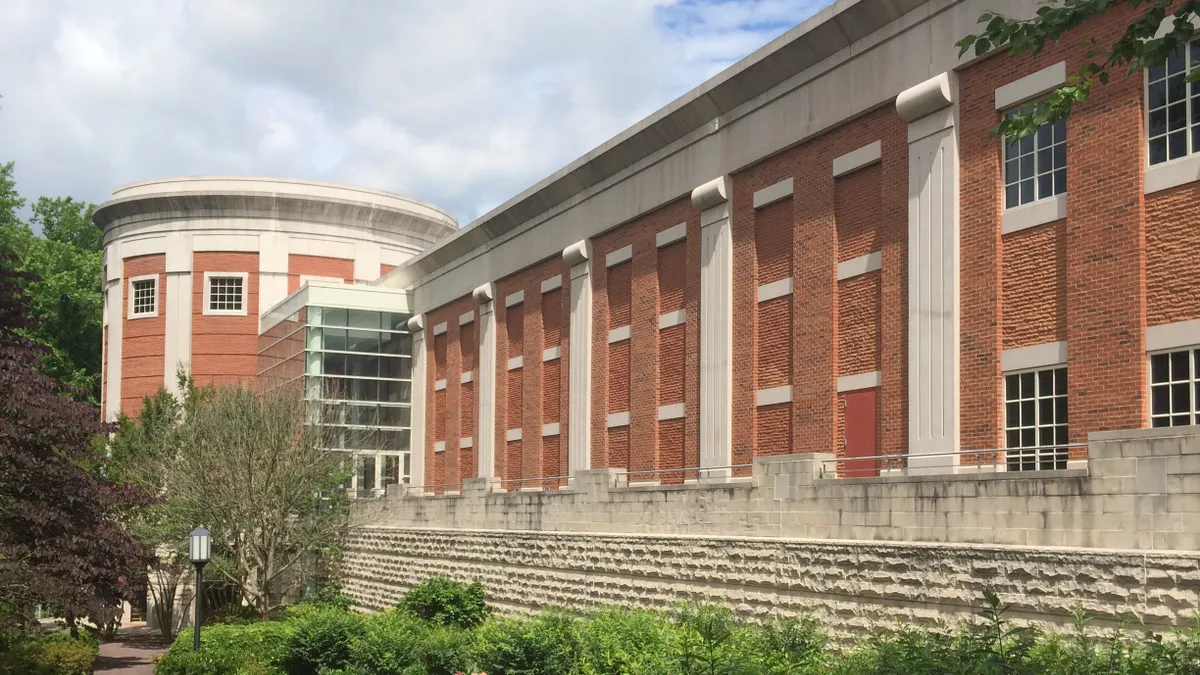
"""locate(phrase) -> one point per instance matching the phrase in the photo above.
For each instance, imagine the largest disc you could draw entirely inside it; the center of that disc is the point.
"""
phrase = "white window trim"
(209, 276)
(1031, 86)
(1033, 214)
(1173, 172)
(145, 315)
(773, 193)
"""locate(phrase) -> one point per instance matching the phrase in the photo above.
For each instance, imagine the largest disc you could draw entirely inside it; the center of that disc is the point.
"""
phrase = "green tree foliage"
(1138, 47)
(65, 292)
(246, 466)
(447, 602)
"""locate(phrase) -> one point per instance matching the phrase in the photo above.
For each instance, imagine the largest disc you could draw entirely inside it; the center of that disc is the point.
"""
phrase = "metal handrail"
(531, 480)
(707, 469)
(891, 461)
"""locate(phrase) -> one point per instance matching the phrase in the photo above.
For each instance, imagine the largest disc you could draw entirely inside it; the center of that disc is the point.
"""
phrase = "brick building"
(821, 249)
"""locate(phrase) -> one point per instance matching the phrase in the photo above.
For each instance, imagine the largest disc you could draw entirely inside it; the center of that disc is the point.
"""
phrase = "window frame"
(1194, 378)
(1193, 149)
(1038, 453)
(132, 312)
(1004, 143)
(208, 279)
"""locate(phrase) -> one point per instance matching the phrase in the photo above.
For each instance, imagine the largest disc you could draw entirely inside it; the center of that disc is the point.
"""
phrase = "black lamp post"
(199, 550)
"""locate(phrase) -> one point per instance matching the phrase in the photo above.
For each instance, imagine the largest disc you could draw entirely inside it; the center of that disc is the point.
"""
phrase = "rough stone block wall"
(1121, 538)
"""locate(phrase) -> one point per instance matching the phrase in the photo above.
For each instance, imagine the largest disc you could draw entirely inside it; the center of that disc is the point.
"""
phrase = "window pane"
(1179, 366)
(1177, 116)
(335, 364)
(1158, 150)
(1045, 383)
(1027, 412)
(1175, 62)
(395, 391)
(1027, 166)
(1026, 144)
(1013, 438)
(1177, 145)
(1160, 400)
(1026, 191)
(1161, 422)
(363, 319)
(1028, 438)
(1045, 185)
(1061, 435)
(362, 365)
(1060, 410)
(1046, 411)
(1046, 436)
(335, 339)
(1060, 131)
(1012, 414)
(1160, 368)
(1012, 196)
(362, 341)
(1027, 385)
(395, 321)
(1158, 122)
(1011, 170)
(1181, 397)
(1158, 95)
(1181, 420)
(396, 368)
(1012, 387)
(1060, 181)
(397, 343)
(334, 317)
(1045, 135)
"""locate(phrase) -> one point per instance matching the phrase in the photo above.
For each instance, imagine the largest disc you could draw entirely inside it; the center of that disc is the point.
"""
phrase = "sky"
(461, 103)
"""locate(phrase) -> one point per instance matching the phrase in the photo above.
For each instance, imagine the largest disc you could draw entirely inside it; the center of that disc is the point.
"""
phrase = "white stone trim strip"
(550, 429)
(466, 442)
(672, 318)
(861, 265)
(551, 353)
(515, 299)
(440, 328)
(225, 243)
(512, 435)
(439, 446)
(1033, 214)
(866, 380)
(773, 395)
(1037, 356)
(1031, 86)
(775, 289)
(466, 318)
(209, 276)
(773, 193)
(619, 256)
(552, 283)
(618, 334)
(468, 376)
(516, 362)
(857, 159)
(618, 419)
(671, 412)
(1166, 336)
(129, 296)
(1171, 174)
(670, 235)
(439, 385)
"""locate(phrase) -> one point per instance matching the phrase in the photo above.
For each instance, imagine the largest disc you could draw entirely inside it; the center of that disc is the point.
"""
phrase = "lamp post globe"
(200, 552)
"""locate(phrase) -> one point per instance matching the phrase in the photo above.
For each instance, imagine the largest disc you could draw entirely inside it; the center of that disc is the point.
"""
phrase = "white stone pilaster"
(272, 270)
(366, 261)
(578, 257)
(716, 327)
(114, 272)
(933, 270)
(485, 391)
(416, 443)
(177, 351)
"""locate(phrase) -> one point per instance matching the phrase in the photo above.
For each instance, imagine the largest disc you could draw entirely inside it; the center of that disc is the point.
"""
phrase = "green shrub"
(446, 650)
(547, 644)
(320, 638)
(54, 654)
(329, 594)
(229, 649)
(447, 602)
(628, 642)
(390, 642)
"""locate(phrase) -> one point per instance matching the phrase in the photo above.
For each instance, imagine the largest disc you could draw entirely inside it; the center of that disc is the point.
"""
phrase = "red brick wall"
(318, 266)
(1035, 286)
(224, 348)
(626, 376)
(535, 392)
(1104, 240)
(384, 268)
(1172, 252)
(143, 341)
(832, 220)
(453, 416)
(858, 324)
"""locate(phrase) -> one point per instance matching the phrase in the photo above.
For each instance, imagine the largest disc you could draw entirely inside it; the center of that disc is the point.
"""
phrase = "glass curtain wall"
(358, 367)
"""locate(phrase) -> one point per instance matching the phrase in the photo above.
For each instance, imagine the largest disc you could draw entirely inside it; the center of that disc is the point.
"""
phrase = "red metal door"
(861, 437)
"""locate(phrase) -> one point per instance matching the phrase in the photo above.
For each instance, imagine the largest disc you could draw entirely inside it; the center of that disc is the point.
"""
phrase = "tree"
(64, 288)
(250, 468)
(62, 543)
(1138, 47)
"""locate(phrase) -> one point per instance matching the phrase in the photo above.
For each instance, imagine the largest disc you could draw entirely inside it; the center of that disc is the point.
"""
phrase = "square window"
(1174, 388)
(226, 294)
(1172, 114)
(143, 296)
(1032, 165)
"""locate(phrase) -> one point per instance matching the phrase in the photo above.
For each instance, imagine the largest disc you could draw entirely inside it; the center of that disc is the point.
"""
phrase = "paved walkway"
(132, 653)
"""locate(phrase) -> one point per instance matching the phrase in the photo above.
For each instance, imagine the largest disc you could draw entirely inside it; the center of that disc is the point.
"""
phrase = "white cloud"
(461, 103)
